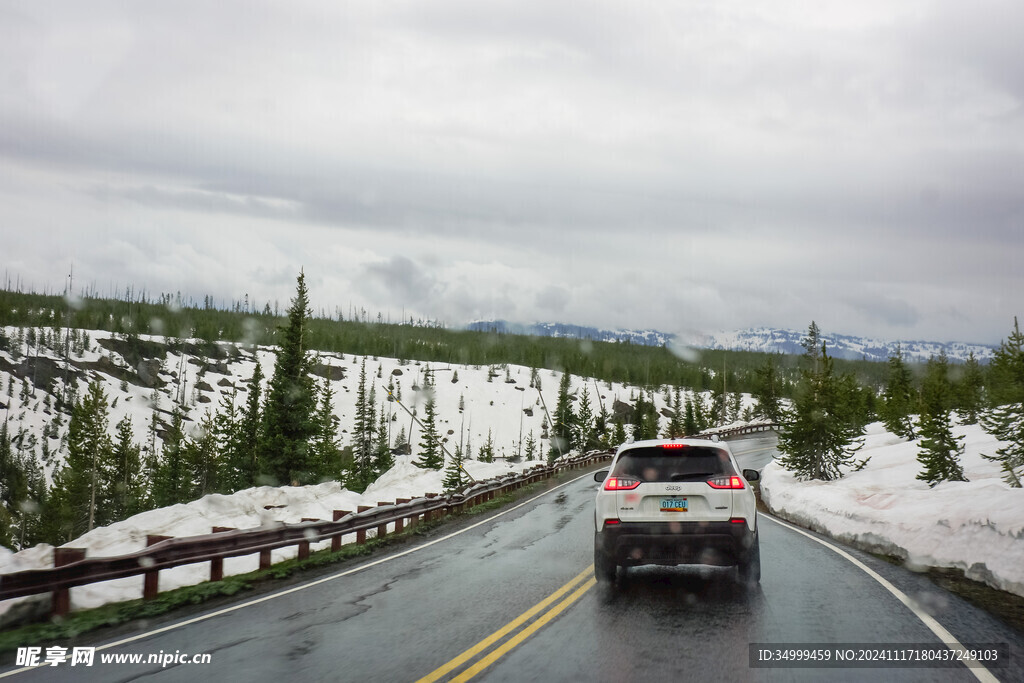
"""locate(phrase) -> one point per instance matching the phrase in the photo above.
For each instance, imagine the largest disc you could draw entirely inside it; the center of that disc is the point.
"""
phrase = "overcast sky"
(689, 166)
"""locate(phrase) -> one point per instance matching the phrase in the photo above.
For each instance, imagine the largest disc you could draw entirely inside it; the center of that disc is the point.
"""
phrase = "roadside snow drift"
(976, 526)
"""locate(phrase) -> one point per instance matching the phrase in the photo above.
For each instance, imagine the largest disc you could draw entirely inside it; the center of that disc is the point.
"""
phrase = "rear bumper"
(672, 543)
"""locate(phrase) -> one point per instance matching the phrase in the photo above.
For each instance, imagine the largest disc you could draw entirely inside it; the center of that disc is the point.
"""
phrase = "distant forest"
(243, 322)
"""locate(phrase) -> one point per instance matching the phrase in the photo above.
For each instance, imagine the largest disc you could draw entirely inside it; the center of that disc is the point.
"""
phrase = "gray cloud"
(612, 164)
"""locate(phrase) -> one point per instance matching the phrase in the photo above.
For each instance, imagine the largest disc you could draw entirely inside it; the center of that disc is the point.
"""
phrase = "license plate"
(673, 505)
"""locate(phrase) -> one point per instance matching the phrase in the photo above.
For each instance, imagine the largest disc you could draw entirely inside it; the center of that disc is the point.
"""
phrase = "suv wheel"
(604, 567)
(749, 571)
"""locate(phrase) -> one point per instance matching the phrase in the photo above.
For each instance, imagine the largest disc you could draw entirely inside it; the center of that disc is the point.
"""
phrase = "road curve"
(521, 577)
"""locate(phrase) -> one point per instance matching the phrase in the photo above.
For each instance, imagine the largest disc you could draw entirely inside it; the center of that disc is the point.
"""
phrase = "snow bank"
(976, 526)
(245, 509)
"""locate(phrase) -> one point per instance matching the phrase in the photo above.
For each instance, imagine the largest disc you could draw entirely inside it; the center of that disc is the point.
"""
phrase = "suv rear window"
(660, 464)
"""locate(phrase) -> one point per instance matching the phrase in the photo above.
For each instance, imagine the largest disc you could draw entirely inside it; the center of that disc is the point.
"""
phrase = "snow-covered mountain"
(767, 339)
(642, 337)
(844, 346)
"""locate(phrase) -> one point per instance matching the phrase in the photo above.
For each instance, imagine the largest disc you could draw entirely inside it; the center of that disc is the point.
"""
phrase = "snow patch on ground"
(976, 526)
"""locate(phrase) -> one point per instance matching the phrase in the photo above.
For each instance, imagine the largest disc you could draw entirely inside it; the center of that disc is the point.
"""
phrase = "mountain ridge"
(764, 339)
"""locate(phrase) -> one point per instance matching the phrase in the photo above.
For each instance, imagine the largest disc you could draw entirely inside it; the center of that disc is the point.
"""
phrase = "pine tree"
(77, 502)
(817, 437)
(564, 419)
(530, 449)
(127, 493)
(431, 456)
(245, 468)
(288, 424)
(362, 449)
(767, 391)
(812, 346)
(226, 425)
(619, 434)
(970, 396)
(13, 487)
(674, 428)
(383, 459)
(486, 452)
(690, 426)
(202, 460)
(326, 454)
(586, 439)
(899, 398)
(940, 451)
(170, 484)
(1005, 420)
(454, 476)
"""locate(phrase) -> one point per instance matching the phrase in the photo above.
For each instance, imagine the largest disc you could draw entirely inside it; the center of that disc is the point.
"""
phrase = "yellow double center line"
(511, 643)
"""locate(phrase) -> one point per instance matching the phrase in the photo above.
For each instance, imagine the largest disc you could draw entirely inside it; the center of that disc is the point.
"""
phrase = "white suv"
(675, 502)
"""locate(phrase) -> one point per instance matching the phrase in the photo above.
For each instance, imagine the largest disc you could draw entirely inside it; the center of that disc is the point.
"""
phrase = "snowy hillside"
(497, 402)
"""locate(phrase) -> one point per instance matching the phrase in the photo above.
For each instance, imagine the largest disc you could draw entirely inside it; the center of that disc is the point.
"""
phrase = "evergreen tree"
(13, 487)
(454, 476)
(486, 452)
(249, 435)
(817, 435)
(128, 487)
(1005, 420)
(940, 451)
(78, 501)
(690, 425)
(674, 429)
(202, 460)
(530, 449)
(288, 416)
(226, 424)
(383, 459)
(812, 346)
(326, 453)
(767, 391)
(564, 419)
(170, 484)
(619, 434)
(362, 447)
(431, 456)
(899, 398)
(586, 439)
(970, 396)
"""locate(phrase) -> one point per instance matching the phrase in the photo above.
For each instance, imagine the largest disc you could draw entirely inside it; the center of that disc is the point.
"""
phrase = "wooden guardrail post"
(431, 514)
(336, 539)
(151, 579)
(382, 530)
(304, 543)
(217, 563)
(361, 534)
(60, 605)
(400, 522)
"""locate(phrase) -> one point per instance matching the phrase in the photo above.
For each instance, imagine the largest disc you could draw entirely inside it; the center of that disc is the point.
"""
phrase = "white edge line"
(947, 638)
(317, 582)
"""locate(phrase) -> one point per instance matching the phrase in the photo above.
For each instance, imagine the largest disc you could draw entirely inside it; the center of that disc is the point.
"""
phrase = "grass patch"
(63, 629)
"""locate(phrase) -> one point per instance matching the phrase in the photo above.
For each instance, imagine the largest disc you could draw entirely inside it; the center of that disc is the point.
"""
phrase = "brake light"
(620, 483)
(726, 483)
(609, 522)
(738, 520)
(673, 445)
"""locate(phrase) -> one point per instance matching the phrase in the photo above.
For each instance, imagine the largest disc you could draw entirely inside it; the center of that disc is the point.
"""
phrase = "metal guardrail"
(72, 568)
(738, 431)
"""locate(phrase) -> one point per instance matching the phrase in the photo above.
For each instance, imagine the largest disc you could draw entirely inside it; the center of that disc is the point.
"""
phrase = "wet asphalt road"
(400, 616)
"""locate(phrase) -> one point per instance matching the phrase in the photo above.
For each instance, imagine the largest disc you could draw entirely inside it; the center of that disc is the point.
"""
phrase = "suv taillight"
(726, 483)
(620, 483)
